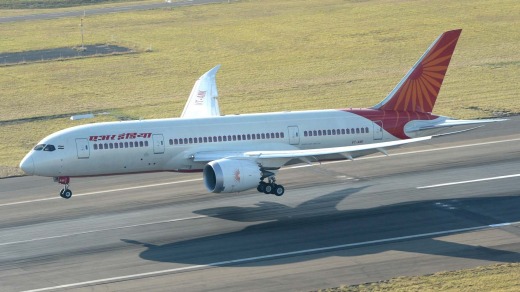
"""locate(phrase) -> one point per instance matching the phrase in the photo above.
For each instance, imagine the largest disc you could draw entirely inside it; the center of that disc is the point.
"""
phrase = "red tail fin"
(418, 90)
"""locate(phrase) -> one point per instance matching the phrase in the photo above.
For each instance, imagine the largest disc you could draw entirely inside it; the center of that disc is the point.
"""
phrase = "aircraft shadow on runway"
(317, 223)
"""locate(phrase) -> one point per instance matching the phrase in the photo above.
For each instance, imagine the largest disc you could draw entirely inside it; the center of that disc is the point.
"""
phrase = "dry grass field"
(500, 277)
(275, 55)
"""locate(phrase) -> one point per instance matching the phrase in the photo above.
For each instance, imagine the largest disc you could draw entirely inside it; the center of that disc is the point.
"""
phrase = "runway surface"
(447, 204)
(84, 10)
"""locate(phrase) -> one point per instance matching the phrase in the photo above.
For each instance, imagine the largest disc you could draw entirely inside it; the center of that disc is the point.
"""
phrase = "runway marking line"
(102, 192)
(105, 229)
(271, 256)
(293, 167)
(469, 181)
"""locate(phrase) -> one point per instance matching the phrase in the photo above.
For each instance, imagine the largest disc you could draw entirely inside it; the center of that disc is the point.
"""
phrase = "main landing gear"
(65, 193)
(270, 187)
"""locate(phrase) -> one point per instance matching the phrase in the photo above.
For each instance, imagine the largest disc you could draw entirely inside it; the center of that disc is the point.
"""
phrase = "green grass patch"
(275, 54)
(498, 277)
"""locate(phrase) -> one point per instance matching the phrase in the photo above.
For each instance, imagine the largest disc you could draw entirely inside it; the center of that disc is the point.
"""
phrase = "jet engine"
(231, 175)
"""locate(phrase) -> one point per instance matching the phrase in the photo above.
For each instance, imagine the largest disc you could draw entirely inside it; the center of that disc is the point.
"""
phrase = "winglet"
(418, 90)
(203, 100)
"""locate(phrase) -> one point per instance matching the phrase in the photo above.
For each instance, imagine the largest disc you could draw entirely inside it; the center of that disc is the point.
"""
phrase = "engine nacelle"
(231, 175)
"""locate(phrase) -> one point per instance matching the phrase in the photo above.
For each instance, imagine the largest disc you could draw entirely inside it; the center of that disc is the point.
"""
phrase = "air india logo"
(237, 175)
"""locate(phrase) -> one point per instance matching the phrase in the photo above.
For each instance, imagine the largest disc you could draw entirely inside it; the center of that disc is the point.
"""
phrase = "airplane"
(241, 152)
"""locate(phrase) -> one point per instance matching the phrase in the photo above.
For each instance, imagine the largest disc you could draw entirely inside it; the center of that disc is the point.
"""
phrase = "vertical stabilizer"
(203, 100)
(418, 90)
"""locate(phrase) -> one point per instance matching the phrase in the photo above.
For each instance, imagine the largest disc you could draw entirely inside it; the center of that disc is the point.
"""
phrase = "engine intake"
(231, 175)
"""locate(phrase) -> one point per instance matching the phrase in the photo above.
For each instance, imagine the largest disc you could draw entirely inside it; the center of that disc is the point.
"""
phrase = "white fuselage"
(168, 144)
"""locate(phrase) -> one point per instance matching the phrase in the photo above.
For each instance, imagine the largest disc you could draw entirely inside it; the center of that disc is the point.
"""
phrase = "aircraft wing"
(429, 127)
(203, 100)
(346, 151)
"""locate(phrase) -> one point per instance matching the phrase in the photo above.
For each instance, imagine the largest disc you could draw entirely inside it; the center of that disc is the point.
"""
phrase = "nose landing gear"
(65, 193)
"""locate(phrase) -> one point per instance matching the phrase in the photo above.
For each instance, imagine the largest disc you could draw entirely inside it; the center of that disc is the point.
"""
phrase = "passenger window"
(111, 146)
(141, 143)
(95, 146)
(100, 146)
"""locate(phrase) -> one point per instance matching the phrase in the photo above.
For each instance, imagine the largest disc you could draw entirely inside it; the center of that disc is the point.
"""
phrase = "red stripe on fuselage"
(393, 121)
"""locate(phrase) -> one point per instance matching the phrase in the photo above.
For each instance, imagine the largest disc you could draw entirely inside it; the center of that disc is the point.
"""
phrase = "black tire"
(268, 188)
(278, 190)
(66, 194)
(261, 187)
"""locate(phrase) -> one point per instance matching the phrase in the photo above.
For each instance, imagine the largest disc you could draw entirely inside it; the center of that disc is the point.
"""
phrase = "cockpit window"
(49, 148)
(39, 147)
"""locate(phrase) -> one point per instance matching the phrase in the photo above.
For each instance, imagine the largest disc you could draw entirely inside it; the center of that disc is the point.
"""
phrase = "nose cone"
(27, 165)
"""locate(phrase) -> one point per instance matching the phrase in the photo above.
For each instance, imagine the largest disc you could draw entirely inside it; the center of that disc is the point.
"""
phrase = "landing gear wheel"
(66, 193)
(278, 190)
(261, 187)
(268, 188)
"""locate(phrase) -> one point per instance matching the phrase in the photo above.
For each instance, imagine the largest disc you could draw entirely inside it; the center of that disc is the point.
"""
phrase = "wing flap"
(345, 151)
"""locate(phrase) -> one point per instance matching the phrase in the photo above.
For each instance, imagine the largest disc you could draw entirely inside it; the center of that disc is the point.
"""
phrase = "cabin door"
(82, 148)
(378, 130)
(158, 144)
(294, 135)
